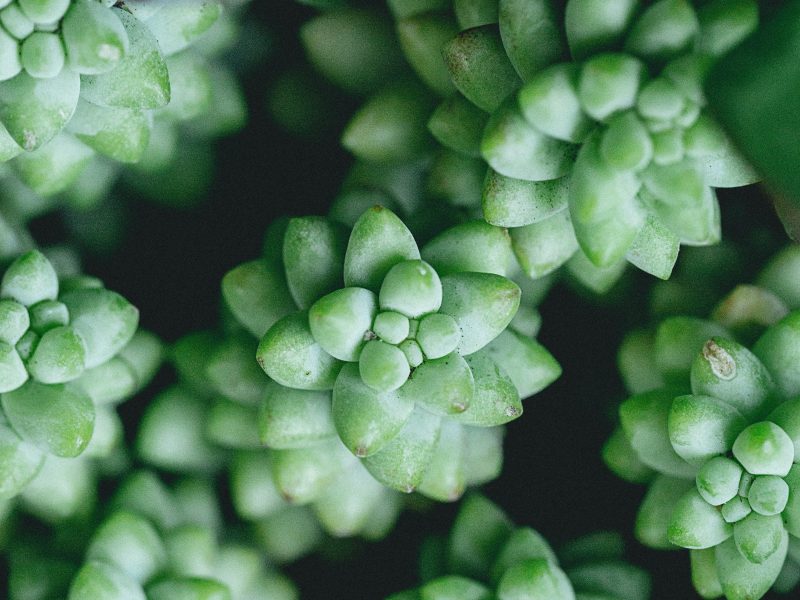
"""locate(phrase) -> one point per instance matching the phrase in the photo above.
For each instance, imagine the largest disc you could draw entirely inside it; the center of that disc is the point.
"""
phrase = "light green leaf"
(19, 463)
(531, 34)
(695, 524)
(535, 579)
(744, 580)
(294, 418)
(472, 246)
(701, 427)
(509, 202)
(595, 25)
(444, 386)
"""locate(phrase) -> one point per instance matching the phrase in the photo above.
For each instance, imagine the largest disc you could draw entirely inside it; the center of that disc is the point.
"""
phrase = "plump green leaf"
(655, 513)
(445, 478)
(444, 386)
(622, 459)
(509, 202)
(678, 341)
(340, 321)
(130, 543)
(365, 419)
(696, 524)
(516, 149)
(477, 537)
(529, 365)
(647, 38)
(480, 68)
(34, 111)
(379, 241)
(140, 80)
(290, 355)
(257, 294)
(531, 34)
(615, 578)
(742, 579)
(97, 579)
(718, 480)
(94, 38)
(56, 418)
(12, 370)
(20, 461)
(704, 573)
(645, 419)
(401, 463)
(303, 474)
(655, 248)
(473, 246)
(535, 579)
(701, 427)
(482, 304)
(291, 418)
(496, 400)
(422, 37)
(103, 319)
(458, 124)
(544, 246)
(452, 587)
(605, 211)
(764, 449)
(59, 356)
(779, 350)
(595, 25)
(55, 166)
(176, 25)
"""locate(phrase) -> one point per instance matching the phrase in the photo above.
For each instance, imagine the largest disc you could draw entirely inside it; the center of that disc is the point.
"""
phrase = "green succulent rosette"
(289, 495)
(605, 159)
(711, 429)
(139, 92)
(70, 351)
(149, 541)
(406, 355)
(486, 556)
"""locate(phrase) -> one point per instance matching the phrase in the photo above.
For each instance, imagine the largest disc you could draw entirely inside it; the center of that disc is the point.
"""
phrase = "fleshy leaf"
(621, 458)
(313, 255)
(289, 354)
(444, 386)
(701, 427)
(654, 249)
(34, 111)
(655, 513)
(19, 463)
(478, 535)
(103, 319)
(779, 350)
(119, 133)
(94, 38)
(140, 80)
(176, 25)
(97, 579)
(496, 400)
(605, 212)
(302, 474)
(292, 418)
(473, 246)
(55, 166)
(445, 477)
(535, 579)
(531, 34)
(704, 573)
(365, 419)
(340, 321)
(257, 294)
(480, 68)
(450, 587)
(458, 124)
(516, 149)
(56, 418)
(509, 202)
(744, 580)
(696, 525)
(379, 241)
(544, 246)
(482, 304)
(595, 25)
(529, 365)
(401, 463)
(644, 418)
(422, 37)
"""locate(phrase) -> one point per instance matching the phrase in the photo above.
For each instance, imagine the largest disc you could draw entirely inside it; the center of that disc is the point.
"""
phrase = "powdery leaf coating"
(97, 579)
(257, 294)
(595, 25)
(12, 370)
(453, 586)
(515, 149)
(94, 37)
(401, 463)
(535, 579)
(366, 419)
(177, 24)
(444, 386)
(313, 255)
(140, 80)
(779, 350)
(291, 418)
(509, 202)
(379, 241)
(744, 580)
(30, 279)
(701, 427)
(119, 133)
(480, 68)
(383, 366)
(19, 463)
(655, 512)
(130, 543)
(103, 319)
(472, 246)
(764, 449)
(496, 400)
(482, 304)
(55, 166)
(645, 418)
(56, 418)
(34, 111)
(290, 355)
(544, 246)
(59, 356)
(718, 480)
(445, 478)
(340, 321)
(695, 524)
(412, 288)
(302, 474)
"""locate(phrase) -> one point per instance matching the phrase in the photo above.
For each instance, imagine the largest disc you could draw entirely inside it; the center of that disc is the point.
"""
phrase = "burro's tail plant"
(713, 428)
(406, 355)
(69, 351)
(487, 557)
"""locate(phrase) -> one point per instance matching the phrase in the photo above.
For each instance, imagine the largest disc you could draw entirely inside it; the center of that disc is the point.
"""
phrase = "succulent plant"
(162, 543)
(414, 350)
(70, 352)
(711, 427)
(608, 157)
(486, 556)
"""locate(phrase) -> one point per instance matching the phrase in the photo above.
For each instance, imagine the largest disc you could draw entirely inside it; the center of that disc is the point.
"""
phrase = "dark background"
(170, 262)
